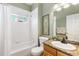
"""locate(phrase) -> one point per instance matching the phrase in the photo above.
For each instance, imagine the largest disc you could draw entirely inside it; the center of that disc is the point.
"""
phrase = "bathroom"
(35, 29)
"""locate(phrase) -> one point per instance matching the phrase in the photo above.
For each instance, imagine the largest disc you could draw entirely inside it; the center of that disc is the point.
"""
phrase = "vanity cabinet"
(46, 53)
(61, 54)
(50, 51)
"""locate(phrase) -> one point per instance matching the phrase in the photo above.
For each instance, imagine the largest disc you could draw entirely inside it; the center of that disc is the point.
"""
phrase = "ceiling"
(29, 4)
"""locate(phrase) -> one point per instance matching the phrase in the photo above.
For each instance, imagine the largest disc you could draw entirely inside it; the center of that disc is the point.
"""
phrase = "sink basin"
(61, 45)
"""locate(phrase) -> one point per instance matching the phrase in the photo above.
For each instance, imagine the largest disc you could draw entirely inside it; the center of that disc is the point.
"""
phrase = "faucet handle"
(66, 37)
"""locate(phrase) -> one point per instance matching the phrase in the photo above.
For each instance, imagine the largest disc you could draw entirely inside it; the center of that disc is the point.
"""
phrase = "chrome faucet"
(64, 40)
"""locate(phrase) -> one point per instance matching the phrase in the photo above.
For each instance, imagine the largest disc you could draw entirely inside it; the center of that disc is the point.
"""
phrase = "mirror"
(45, 24)
(67, 22)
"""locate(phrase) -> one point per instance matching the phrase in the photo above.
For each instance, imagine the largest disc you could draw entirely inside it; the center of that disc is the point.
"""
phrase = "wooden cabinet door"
(50, 50)
(47, 54)
(61, 54)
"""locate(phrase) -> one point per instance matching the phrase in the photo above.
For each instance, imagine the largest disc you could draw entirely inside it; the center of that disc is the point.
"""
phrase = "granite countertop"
(70, 53)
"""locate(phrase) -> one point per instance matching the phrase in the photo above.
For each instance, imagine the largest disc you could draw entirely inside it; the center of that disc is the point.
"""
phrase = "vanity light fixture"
(55, 6)
(66, 5)
(58, 9)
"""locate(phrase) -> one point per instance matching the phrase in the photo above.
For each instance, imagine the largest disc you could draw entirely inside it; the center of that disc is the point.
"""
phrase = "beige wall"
(40, 19)
(43, 9)
(47, 8)
(35, 5)
(21, 5)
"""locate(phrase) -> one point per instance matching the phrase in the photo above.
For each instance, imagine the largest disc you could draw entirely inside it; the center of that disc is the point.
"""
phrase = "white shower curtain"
(72, 24)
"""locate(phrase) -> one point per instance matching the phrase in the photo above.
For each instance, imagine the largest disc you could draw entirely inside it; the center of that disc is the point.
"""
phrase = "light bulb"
(66, 5)
(58, 9)
(56, 6)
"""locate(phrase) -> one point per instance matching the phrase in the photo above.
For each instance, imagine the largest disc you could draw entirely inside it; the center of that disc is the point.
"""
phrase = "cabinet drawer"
(50, 50)
(61, 54)
(47, 54)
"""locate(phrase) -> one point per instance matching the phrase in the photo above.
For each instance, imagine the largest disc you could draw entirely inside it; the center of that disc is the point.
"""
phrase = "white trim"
(1, 31)
(7, 31)
(22, 49)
